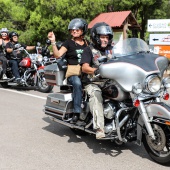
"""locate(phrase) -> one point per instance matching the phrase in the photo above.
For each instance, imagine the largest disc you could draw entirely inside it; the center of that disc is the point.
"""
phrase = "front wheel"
(158, 149)
(42, 84)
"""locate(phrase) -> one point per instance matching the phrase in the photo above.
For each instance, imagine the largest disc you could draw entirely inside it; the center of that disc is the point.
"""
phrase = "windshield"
(130, 46)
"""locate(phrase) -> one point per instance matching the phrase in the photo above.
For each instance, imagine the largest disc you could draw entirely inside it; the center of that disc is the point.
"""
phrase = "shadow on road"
(97, 146)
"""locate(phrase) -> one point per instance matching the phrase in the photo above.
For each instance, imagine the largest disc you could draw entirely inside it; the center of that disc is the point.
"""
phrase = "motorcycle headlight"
(152, 84)
(39, 57)
(166, 82)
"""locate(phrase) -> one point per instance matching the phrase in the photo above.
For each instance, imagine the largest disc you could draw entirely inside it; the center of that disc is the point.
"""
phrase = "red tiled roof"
(114, 19)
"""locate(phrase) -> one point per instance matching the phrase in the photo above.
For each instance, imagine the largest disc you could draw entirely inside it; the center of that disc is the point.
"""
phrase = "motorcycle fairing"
(146, 61)
(122, 69)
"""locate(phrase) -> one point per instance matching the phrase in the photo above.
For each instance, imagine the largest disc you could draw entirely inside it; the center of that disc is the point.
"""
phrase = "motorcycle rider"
(4, 39)
(13, 55)
(73, 48)
(93, 55)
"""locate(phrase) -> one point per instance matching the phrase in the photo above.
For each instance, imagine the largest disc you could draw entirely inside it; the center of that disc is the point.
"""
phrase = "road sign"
(158, 25)
(159, 39)
(163, 50)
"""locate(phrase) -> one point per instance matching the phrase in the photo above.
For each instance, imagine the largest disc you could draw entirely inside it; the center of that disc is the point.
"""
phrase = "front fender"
(158, 109)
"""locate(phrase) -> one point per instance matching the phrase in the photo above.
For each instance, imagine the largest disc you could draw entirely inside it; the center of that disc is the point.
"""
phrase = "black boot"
(75, 118)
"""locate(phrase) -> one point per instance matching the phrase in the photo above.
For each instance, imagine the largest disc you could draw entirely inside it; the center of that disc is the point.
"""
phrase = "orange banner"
(163, 50)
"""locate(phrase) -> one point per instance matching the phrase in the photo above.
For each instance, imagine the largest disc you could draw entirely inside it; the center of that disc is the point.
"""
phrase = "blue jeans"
(77, 93)
(14, 66)
(4, 62)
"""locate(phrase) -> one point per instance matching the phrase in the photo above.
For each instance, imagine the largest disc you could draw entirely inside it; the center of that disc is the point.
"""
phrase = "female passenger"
(73, 49)
(4, 39)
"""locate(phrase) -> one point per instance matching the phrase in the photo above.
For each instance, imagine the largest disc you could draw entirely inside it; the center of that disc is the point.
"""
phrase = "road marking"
(32, 95)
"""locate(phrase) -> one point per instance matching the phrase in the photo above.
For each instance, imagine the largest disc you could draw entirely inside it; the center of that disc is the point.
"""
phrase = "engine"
(110, 110)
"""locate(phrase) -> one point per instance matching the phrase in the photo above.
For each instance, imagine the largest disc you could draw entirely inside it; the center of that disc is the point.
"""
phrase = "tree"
(144, 10)
(34, 19)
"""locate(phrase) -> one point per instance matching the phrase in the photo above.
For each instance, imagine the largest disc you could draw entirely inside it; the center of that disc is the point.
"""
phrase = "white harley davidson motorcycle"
(134, 91)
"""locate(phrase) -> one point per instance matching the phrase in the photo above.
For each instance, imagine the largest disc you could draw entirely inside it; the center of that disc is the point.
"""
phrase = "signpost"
(159, 39)
(163, 50)
(159, 25)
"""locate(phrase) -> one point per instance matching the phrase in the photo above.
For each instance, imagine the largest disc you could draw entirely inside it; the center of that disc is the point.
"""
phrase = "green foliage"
(33, 19)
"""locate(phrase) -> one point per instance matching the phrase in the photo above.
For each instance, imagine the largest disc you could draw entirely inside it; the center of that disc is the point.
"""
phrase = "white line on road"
(44, 98)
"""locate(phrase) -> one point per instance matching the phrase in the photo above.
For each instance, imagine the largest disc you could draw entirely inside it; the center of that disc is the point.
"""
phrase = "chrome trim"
(146, 120)
(120, 124)
(53, 109)
(146, 83)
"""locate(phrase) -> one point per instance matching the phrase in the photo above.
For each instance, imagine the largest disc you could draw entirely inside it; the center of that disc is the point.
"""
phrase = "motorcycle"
(31, 70)
(134, 89)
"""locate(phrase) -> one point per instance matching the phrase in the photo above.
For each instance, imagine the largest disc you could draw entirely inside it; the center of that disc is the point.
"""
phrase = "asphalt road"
(29, 140)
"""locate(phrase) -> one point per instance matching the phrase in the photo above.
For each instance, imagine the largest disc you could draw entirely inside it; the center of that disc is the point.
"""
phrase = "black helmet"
(98, 29)
(12, 34)
(78, 23)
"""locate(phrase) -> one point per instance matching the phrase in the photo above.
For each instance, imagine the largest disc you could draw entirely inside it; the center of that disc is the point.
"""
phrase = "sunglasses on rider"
(77, 30)
(4, 34)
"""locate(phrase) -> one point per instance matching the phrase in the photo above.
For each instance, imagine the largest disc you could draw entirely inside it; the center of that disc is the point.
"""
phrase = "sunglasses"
(77, 30)
(4, 34)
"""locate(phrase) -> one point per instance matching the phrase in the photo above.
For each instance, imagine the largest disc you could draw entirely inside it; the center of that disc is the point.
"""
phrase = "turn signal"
(136, 103)
(166, 96)
(167, 123)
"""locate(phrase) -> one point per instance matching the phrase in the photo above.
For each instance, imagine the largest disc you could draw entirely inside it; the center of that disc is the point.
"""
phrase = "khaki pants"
(96, 105)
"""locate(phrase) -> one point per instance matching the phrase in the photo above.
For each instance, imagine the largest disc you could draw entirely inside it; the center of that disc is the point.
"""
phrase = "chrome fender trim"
(158, 109)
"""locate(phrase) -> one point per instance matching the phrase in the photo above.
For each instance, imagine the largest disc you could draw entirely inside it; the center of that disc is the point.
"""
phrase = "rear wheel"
(42, 84)
(158, 149)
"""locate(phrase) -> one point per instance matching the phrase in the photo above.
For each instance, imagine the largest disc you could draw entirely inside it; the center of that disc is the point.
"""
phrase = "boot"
(75, 118)
(4, 77)
(100, 134)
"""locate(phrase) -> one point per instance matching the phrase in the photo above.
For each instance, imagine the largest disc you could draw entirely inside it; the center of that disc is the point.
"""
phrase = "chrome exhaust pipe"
(71, 125)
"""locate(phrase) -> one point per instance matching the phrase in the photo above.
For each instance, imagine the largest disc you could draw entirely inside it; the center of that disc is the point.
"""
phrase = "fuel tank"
(26, 62)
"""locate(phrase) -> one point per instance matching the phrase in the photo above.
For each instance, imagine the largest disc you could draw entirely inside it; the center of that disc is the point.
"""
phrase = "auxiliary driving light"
(136, 103)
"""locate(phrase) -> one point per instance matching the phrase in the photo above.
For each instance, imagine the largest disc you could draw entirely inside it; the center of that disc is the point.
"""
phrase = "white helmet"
(4, 30)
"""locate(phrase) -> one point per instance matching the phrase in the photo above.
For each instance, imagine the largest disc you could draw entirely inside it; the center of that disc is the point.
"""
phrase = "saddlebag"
(54, 74)
(58, 103)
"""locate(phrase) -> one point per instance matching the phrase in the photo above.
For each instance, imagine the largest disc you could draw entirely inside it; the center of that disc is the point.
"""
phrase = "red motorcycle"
(31, 69)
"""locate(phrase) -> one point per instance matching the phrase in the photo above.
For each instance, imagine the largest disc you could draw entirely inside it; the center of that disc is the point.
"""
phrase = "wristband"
(53, 43)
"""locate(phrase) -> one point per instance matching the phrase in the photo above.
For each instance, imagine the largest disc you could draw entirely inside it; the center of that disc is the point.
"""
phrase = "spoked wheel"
(42, 84)
(158, 149)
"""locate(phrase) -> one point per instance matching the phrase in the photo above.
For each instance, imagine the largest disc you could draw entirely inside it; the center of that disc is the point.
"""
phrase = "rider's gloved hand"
(21, 48)
(16, 46)
(96, 72)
